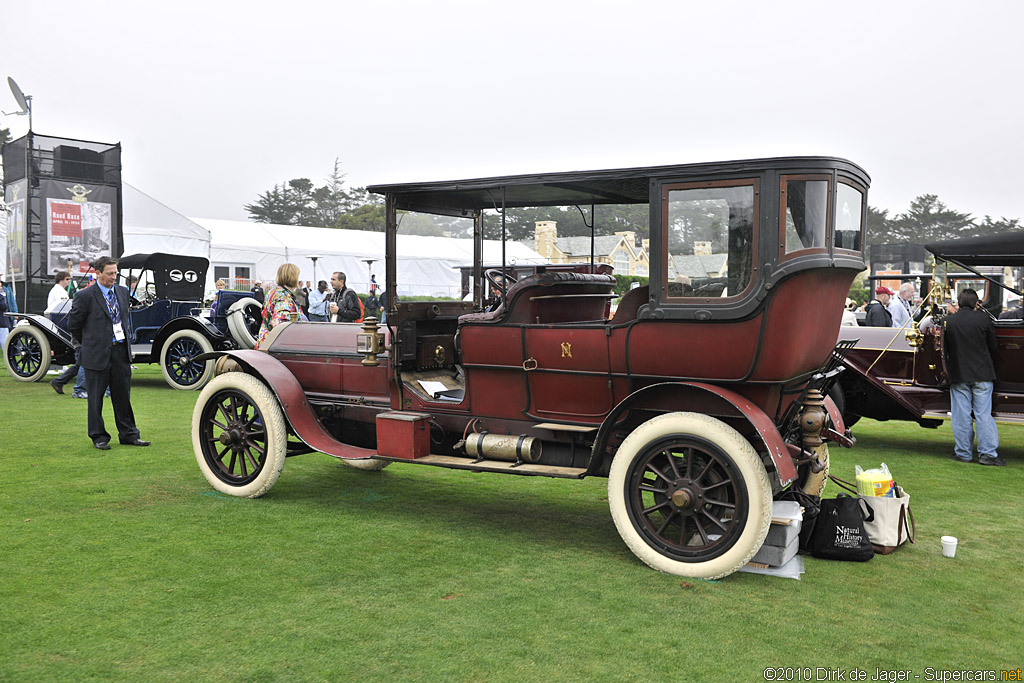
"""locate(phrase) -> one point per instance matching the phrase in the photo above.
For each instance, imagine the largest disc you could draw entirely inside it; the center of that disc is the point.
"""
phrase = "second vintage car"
(167, 323)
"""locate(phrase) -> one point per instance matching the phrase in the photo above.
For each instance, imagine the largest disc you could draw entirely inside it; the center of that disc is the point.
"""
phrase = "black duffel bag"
(839, 532)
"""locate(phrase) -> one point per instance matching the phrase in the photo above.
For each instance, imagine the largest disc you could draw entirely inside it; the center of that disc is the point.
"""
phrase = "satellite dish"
(19, 96)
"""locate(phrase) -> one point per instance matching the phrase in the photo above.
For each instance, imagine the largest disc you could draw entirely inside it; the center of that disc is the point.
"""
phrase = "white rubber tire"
(236, 323)
(274, 424)
(754, 482)
(367, 465)
(44, 348)
(203, 343)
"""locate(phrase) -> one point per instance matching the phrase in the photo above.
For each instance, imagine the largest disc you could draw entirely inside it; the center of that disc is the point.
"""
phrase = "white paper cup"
(949, 546)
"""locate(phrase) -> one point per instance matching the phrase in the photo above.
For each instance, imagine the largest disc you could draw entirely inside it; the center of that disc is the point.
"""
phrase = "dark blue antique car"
(168, 323)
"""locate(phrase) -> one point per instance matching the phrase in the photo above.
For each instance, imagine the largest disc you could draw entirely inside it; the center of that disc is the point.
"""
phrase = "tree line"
(333, 205)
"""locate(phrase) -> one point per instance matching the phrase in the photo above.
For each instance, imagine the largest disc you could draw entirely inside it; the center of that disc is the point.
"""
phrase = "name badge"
(118, 332)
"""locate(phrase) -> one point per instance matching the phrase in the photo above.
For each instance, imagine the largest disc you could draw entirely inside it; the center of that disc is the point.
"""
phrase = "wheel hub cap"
(232, 437)
(685, 496)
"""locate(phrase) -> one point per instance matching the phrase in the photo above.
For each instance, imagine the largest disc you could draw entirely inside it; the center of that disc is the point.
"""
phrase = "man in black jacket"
(971, 352)
(99, 325)
(877, 312)
(344, 302)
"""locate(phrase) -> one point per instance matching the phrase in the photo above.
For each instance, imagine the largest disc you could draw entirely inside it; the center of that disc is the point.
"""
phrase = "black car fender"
(191, 322)
(58, 338)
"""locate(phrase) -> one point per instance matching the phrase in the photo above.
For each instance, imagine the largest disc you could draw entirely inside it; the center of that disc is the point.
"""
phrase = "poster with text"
(79, 220)
(14, 196)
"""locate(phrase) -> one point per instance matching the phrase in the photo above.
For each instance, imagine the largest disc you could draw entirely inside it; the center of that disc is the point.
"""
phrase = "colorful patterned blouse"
(277, 308)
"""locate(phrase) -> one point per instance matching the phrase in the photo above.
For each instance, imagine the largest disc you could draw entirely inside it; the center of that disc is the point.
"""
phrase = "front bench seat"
(543, 280)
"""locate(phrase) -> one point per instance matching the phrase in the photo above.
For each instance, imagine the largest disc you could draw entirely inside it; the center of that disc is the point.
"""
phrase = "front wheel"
(690, 496)
(27, 353)
(239, 435)
(177, 360)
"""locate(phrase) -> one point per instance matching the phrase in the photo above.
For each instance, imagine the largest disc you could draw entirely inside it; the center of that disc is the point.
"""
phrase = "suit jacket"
(971, 347)
(93, 329)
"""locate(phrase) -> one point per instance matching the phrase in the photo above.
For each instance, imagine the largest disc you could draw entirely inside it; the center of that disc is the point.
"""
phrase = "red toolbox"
(403, 435)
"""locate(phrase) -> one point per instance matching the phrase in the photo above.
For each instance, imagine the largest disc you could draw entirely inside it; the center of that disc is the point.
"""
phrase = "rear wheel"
(367, 465)
(27, 353)
(177, 360)
(690, 496)
(239, 435)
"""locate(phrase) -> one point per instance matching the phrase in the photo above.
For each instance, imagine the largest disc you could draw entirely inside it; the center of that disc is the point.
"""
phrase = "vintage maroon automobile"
(900, 374)
(700, 410)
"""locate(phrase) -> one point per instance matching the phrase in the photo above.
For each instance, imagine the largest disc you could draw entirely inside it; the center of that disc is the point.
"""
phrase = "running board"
(1004, 418)
(525, 468)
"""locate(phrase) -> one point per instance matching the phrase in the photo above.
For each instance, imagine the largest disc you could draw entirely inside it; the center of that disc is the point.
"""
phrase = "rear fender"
(704, 398)
(57, 337)
(297, 411)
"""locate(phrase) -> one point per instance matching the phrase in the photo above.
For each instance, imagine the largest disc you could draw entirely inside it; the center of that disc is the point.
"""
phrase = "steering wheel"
(494, 277)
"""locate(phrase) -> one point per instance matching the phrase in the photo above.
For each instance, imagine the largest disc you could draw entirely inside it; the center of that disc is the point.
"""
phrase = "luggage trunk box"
(403, 435)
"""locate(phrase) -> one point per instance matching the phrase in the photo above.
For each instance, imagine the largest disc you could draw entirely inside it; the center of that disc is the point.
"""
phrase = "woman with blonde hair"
(280, 305)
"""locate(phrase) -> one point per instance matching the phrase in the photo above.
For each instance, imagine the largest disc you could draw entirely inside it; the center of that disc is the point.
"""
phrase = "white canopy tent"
(427, 266)
(150, 226)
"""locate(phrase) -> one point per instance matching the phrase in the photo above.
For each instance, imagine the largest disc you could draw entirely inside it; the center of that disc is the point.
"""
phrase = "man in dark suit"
(99, 324)
(971, 352)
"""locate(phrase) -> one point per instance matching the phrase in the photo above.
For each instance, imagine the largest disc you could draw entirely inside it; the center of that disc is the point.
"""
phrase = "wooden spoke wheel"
(27, 353)
(177, 360)
(239, 435)
(690, 496)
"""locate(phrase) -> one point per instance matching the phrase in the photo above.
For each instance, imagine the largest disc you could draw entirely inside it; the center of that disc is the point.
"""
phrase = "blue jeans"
(977, 397)
(317, 318)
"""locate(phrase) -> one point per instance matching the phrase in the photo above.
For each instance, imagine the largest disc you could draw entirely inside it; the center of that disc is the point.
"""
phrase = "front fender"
(728, 402)
(195, 323)
(290, 396)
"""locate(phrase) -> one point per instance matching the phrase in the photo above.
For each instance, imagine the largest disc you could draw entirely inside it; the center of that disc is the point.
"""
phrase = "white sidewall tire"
(44, 347)
(274, 423)
(207, 347)
(367, 465)
(754, 480)
(236, 323)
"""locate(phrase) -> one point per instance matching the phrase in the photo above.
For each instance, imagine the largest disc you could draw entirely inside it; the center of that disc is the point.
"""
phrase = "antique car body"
(900, 374)
(699, 409)
(165, 323)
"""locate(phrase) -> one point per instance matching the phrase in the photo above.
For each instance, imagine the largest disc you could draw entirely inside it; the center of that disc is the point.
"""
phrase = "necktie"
(115, 311)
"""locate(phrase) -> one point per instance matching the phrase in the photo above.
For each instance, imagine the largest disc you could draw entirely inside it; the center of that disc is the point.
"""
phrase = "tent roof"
(150, 225)
(304, 241)
(142, 211)
(1006, 249)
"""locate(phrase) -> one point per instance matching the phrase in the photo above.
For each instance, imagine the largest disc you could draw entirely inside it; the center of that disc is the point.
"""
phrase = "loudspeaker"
(75, 163)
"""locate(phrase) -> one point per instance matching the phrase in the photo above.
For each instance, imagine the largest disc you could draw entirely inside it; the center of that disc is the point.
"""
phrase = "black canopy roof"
(182, 278)
(611, 186)
(1006, 249)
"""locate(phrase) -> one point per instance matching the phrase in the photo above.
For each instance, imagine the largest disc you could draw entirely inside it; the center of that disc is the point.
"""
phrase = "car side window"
(711, 238)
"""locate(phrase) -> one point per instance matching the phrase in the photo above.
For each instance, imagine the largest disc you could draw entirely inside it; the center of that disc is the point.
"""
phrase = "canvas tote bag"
(893, 524)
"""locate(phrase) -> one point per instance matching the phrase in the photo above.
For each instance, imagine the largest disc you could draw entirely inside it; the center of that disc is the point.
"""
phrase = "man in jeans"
(971, 352)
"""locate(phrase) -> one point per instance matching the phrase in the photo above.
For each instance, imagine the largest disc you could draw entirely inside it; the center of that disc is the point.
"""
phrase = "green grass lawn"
(127, 564)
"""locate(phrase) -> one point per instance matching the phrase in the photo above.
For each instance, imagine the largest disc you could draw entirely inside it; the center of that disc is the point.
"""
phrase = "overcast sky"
(215, 102)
